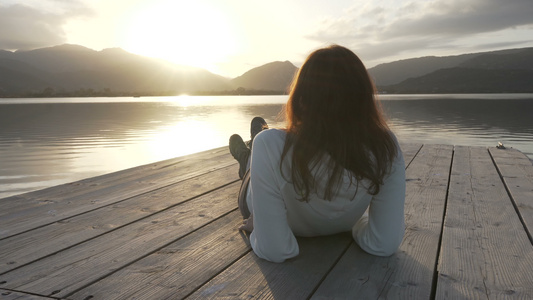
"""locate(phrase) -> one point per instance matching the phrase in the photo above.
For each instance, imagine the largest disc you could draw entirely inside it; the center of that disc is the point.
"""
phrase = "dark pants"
(243, 206)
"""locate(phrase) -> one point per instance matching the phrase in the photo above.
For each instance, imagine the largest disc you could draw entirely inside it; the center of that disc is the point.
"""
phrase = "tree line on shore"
(50, 92)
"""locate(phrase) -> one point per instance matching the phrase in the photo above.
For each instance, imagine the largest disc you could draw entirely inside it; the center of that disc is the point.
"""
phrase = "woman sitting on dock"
(336, 167)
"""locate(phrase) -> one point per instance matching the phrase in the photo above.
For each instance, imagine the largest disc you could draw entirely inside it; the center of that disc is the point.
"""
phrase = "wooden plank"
(178, 269)
(96, 182)
(408, 274)
(517, 173)
(14, 295)
(252, 277)
(74, 268)
(24, 248)
(409, 151)
(485, 251)
(143, 174)
(20, 214)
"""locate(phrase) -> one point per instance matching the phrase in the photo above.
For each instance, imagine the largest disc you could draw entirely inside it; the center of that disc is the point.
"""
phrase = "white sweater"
(278, 215)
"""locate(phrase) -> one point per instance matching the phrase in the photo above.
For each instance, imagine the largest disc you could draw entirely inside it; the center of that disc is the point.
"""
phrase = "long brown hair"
(332, 110)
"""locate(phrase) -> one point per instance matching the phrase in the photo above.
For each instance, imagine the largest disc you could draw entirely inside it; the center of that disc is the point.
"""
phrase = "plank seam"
(330, 269)
(414, 156)
(26, 293)
(126, 224)
(150, 253)
(515, 206)
(128, 198)
(218, 273)
(433, 293)
(217, 152)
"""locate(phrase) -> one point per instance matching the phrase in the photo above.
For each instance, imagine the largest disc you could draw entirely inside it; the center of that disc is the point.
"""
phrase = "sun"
(192, 33)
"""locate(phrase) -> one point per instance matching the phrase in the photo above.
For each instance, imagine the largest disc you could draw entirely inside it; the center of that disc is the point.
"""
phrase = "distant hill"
(505, 71)
(72, 70)
(467, 80)
(274, 76)
(398, 71)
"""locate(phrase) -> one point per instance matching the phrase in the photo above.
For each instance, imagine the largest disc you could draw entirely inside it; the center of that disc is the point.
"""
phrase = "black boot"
(257, 125)
(240, 152)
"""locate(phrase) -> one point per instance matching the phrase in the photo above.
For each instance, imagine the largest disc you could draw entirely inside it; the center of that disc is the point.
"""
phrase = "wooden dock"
(168, 230)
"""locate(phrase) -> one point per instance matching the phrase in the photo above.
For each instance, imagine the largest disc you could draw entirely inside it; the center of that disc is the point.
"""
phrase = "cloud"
(28, 27)
(381, 30)
(459, 18)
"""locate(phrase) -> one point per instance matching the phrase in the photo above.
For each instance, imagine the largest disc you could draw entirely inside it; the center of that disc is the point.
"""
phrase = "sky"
(229, 37)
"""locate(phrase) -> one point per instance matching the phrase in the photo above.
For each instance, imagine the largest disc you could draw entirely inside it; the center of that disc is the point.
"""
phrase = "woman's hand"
(248, 224)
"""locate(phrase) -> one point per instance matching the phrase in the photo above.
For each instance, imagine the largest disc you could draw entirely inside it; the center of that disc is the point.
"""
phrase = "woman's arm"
(381, 232)
(272, 238)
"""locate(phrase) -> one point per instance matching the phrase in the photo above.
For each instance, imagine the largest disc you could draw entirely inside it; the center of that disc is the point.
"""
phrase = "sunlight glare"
(185, 101)
(190, 33)
(183, 138)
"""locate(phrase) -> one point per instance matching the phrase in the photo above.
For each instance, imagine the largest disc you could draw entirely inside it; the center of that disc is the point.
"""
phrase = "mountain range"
(73, 70)
(504, 71)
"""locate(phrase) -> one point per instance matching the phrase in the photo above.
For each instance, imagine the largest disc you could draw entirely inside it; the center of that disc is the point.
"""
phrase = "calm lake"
(45, 142)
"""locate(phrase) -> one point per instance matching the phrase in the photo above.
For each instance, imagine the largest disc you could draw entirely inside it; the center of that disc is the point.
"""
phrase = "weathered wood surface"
(486, 252)
(517, 177)
(169, 231)
(11, 295)
(31, 210)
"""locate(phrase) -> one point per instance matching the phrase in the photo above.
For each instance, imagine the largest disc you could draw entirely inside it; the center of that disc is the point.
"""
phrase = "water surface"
(45, 142)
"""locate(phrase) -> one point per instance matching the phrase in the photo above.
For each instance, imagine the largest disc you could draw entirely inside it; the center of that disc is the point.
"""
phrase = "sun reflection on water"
(181, 138)
(184, 101)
